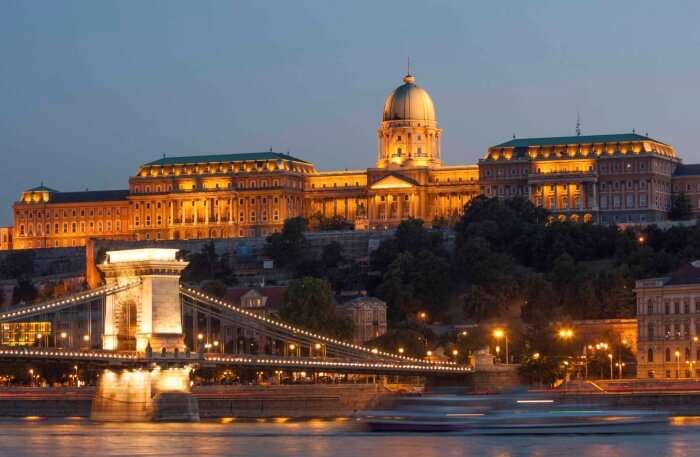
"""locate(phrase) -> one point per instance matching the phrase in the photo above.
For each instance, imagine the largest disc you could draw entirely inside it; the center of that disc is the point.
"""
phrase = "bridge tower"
(150, 313)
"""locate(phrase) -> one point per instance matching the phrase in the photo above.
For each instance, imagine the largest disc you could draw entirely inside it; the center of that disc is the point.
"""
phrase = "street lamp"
(38, 338)
(423, 315)
(216, 345)
(610, 356)
(200, 337)
(400, 350)
(429, 354)
(455, 352)
(498, 334)
(678, 363)
(536, 356)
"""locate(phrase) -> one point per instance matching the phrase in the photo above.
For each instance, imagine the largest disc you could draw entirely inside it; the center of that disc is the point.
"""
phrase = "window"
(650, 307)
(650, 330)
(650, 355)
(668, 355)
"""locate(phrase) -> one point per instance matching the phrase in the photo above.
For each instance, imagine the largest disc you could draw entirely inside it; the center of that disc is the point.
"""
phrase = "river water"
(81, 438)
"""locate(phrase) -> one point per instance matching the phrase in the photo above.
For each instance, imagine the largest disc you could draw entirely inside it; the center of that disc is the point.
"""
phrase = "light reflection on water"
(316, 438)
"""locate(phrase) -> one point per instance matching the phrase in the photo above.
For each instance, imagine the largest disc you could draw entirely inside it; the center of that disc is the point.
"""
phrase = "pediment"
(393, 182)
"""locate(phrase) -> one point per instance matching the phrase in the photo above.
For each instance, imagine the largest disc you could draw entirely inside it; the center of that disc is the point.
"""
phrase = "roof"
(687, 274)
(89, 196)
(217, 158)
(363, 300)
(274, 294)
(582, 139)
(687, 170)
(41, 188)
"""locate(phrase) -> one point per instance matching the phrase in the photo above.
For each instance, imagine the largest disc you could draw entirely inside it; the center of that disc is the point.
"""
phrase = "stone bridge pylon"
(150, 313)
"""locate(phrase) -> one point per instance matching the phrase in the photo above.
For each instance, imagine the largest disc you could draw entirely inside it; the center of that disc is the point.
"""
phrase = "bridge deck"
(249, 361)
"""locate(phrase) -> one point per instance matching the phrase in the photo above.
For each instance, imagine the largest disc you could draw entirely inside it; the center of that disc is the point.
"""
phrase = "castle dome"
(409, 102)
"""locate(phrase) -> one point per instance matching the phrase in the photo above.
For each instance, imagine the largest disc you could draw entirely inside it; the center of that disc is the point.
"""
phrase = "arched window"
(650, 307)
(668, 355)
(650, 355)
(398, 151)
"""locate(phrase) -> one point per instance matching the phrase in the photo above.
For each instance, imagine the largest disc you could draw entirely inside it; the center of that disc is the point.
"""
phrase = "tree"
(309, 303)
(24, 292)
(681, 208)
(287, 247)
(415, 281)
(412, 236)
(208, 265)
(332, 255)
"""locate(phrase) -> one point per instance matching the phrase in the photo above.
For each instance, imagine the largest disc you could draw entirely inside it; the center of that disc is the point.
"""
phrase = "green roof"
(218, 158)
(582, 139)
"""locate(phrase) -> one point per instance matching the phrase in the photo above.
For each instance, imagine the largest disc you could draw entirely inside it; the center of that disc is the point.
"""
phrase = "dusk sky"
(91, 89)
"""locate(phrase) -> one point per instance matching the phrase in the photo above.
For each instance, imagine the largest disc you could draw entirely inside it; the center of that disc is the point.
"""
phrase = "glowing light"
(499, 333)
(566, 333)
(141, 255)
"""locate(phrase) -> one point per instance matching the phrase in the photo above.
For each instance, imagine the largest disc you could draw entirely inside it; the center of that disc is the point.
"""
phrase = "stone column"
(595, 196)
(230, 210)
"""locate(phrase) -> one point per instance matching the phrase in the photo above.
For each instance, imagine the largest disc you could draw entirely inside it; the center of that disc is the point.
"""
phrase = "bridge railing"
(252, 361)
(65, 302)
(294, 332)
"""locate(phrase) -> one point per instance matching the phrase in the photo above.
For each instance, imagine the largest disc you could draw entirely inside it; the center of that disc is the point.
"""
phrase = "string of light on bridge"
(310, 334)
(335, 364)
(88, 355)
(74, 299)
(239, 360)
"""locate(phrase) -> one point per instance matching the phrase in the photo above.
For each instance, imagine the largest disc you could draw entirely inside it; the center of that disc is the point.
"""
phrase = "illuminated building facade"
(602, 178)
(26, 334)
(668, 324)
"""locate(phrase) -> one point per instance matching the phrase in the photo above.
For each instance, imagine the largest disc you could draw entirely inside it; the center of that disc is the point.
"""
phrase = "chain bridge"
(143, 317)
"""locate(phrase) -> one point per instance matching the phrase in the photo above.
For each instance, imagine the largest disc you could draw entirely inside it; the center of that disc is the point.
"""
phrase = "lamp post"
(64, 335)
(200, 337)
(678, 363)
(610, 356)
(498, 334)
(586, 348)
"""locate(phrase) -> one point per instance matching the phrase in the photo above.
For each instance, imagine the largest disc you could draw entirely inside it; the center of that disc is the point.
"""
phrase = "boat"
(495, 415)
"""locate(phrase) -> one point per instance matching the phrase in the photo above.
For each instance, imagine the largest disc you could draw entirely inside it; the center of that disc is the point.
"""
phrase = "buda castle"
(607, 179)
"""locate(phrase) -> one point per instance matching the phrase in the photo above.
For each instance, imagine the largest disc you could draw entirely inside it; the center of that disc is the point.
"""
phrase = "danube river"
(81, 438)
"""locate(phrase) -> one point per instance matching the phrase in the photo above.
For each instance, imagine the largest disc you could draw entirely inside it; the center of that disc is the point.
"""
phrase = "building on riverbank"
(668, 323)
